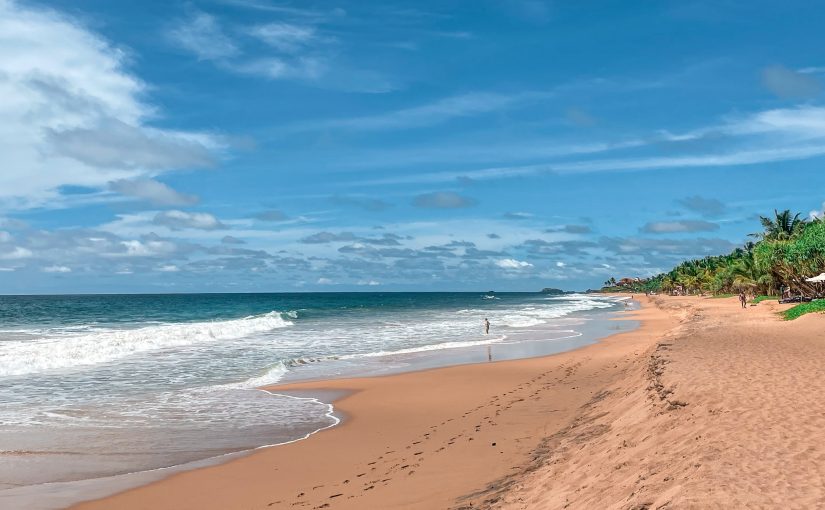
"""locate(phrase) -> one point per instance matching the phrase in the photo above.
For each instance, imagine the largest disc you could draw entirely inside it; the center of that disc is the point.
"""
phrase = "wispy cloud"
(276, 7)
(152, 191)
(442, 200)
(294, 48)
(366, 203)
(787, 83)
(517, 215)
(763, 137)
(436, 112)
(177, 220)
(672, 227)
(703, 206)
(276, 68)
(203, 36)
(272, 215)
(285, 37)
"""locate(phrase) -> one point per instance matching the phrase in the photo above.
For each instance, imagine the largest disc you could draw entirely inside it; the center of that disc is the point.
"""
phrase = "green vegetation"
(801, 309)
(788, 250)
(759, 299)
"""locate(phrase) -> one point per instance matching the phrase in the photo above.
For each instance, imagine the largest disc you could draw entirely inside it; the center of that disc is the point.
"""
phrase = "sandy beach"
(705, 405)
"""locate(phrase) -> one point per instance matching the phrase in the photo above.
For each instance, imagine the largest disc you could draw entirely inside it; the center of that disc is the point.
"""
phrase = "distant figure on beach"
(486, 326)
(743, 299)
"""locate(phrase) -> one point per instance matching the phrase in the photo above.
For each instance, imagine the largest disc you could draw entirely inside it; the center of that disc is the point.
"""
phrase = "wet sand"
(704, 406)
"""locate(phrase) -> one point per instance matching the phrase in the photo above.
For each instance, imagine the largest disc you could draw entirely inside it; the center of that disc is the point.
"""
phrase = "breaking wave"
(64, 352)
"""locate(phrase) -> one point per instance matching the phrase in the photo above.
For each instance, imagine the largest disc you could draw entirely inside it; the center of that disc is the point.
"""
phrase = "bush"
(801, 309)
(759, 299)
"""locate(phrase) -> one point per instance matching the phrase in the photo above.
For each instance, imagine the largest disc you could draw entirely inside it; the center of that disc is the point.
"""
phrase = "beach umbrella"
(816, 279)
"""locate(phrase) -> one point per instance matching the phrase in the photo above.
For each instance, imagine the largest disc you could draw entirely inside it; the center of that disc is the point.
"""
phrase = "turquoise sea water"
(94, 386)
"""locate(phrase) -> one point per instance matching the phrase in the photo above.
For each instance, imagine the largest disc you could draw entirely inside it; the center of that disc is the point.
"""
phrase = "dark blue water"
(130, 309)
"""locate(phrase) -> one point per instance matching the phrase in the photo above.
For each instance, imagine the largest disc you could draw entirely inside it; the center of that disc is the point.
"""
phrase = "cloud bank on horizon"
(254, 145)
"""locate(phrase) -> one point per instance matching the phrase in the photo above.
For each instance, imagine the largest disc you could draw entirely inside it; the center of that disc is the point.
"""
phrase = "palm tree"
(782, 227)
(744, 273)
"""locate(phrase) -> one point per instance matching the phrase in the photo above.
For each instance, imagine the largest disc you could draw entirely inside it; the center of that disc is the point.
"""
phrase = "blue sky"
(256, 145)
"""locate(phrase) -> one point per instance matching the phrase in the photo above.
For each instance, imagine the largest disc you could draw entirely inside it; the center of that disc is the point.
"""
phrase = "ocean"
(93, 386)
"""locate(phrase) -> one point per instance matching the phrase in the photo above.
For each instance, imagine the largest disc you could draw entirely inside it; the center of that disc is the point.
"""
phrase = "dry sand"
(705, 405)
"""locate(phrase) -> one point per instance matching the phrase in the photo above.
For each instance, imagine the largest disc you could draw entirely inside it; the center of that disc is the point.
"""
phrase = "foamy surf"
(54, 353)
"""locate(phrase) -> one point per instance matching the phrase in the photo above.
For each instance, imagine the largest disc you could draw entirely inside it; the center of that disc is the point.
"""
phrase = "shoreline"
(383, 418)
(532, 342)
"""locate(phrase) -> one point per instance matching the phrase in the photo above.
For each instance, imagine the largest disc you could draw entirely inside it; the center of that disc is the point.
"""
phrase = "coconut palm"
(783, 226)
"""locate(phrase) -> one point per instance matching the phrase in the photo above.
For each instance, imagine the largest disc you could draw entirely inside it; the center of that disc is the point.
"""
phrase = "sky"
(270, 146)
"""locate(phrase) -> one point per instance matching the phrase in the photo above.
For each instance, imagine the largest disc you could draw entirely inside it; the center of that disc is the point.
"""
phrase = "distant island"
(554, 292)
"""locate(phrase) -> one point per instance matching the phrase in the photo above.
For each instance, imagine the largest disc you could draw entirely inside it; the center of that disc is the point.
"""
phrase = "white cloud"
(16, 253)
(57, 269)
(112, 144)
(148, 248)
(177, 220)
(324, 281)
(814, 214)
(517, 215)
(151, 191)
(513, 264)
(560, 264)
(168, 268)
(72, 113)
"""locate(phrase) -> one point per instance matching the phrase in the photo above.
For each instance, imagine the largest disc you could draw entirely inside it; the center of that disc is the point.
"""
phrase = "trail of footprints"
(379, 472)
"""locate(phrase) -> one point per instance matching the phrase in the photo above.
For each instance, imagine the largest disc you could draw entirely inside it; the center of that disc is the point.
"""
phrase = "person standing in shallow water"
(486, 326)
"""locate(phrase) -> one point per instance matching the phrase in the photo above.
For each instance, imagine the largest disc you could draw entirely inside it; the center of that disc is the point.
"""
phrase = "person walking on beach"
(743, 299)
(486, 326)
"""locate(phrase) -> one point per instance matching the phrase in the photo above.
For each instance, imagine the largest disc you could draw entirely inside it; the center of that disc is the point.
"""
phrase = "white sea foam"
(272, 376)
(54, 353)
(535, 315)
(425, 348)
